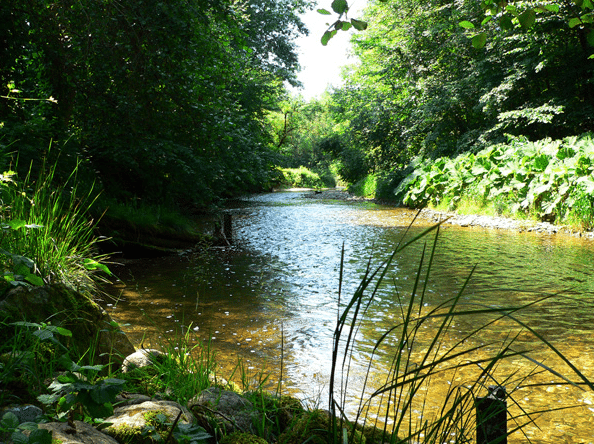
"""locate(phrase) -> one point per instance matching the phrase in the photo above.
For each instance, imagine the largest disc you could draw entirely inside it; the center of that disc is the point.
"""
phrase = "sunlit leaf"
(91, 264)
(35, 280)
(552, 8)
(466, 24)
(324, 12)
(487, 19)
(574, 22)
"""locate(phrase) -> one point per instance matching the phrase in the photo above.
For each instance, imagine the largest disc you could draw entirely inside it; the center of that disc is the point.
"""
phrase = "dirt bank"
(469, 220)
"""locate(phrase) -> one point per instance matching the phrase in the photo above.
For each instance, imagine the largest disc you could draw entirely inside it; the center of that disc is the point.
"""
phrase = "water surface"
(274, 297)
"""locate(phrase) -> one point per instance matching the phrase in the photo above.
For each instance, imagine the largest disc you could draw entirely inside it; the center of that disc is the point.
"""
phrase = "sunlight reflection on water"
(276, 294)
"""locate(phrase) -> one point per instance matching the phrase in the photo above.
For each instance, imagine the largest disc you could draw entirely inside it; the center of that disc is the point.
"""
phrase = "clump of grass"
(184, 369)
(49, 223)
(424, 349)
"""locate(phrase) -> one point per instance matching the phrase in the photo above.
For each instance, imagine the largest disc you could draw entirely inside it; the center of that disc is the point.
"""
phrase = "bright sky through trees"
(321, 65)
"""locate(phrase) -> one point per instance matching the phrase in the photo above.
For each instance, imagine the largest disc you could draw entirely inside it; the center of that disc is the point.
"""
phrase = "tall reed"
(48, 222)
(425, 350)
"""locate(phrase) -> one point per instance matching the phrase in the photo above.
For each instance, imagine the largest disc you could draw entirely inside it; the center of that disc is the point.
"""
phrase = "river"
(273, 298)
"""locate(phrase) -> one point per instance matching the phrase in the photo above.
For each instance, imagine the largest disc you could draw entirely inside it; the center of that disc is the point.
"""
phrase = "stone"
(81, 433)
(24, 413)
(69, 309)
(217, 409)
(141, 358)
(135, 423)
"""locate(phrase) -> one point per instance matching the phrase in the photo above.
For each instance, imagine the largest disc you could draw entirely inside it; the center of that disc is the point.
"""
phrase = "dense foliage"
(160, 101)
(548, 179)
(439, 79)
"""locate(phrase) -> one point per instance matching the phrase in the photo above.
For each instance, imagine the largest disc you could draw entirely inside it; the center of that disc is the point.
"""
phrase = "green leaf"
(487, 19)
(324, 12)
(590, 37)
(466, 24)
(35, 280)
(9, 421)
(340, 6)
(16, 224)
(479, 40)
(40, 436)
(91, 264)
(346, 26)
(574, 22)
(552, 8)
(19, 438)
(527, 19)
(43, 334)
(326, 37)
(506, 23)
(359, 25)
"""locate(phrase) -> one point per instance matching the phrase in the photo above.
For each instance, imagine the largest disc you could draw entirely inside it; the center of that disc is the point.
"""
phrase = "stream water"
(273, 299)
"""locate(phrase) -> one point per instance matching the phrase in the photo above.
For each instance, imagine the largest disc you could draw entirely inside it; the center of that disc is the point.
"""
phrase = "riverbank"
(462, 220)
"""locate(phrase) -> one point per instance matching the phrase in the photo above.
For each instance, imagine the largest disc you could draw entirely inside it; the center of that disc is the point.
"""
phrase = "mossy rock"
(279, 410)
(90, 325)
(242, 438)
(314, 426)
(146, 423)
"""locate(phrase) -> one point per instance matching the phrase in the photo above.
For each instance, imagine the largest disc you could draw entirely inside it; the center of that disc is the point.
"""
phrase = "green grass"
(49, 223)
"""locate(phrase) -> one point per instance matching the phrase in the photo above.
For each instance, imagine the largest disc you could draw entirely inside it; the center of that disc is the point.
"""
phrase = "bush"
(549, 179)
(301, 178)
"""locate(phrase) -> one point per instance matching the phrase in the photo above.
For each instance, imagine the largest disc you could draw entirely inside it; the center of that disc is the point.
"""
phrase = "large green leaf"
(340, 6)
(479, 40)
(527, 19)
(359, 25)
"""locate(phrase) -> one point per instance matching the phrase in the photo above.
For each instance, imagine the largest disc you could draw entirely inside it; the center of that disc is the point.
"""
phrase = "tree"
(163, 101)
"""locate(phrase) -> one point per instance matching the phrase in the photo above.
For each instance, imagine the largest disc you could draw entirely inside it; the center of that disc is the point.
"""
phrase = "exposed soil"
(470, 220)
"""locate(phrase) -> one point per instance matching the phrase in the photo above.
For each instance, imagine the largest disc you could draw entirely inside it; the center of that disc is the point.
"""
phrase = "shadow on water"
(278, 290)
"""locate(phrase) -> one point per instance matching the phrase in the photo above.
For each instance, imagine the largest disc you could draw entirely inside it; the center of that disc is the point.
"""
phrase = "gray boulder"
(81, 433)
(141, 358)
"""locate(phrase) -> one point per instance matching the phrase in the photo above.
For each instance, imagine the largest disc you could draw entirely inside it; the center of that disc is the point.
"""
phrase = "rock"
(137, 422)
(24, 413)
(141, 358)
(242, 438)
(81, 433)
(69, 309)
(229, 411)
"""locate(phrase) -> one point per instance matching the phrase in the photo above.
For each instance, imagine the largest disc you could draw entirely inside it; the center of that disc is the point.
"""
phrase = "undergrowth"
(547, 180)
